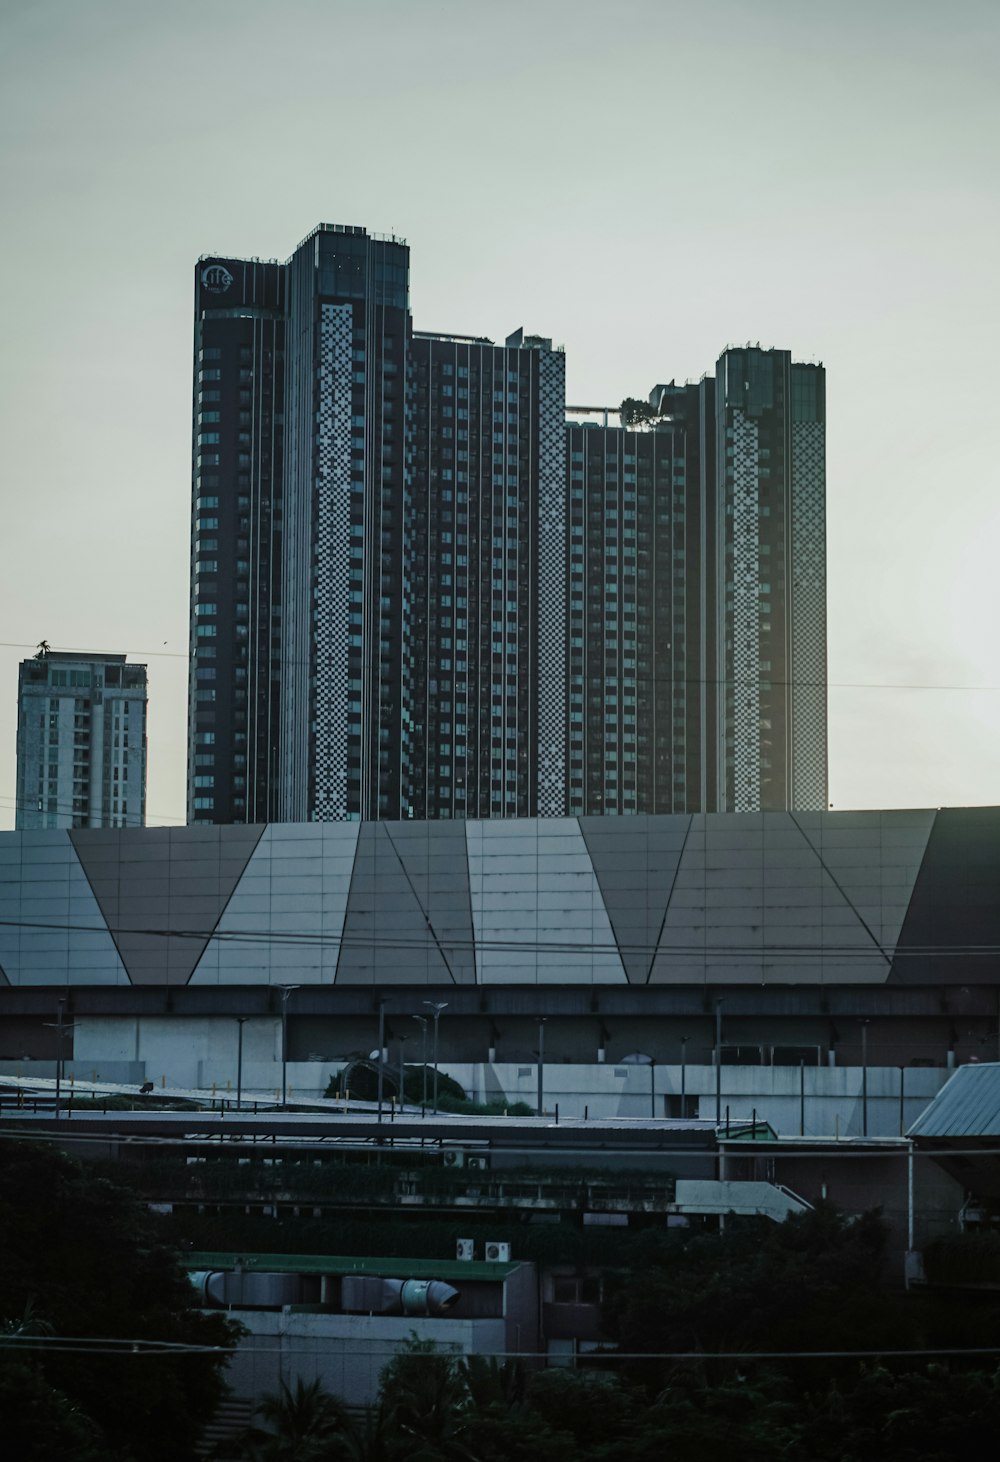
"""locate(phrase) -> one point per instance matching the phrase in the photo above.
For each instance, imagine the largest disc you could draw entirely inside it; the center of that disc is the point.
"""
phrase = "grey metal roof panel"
(968, 1106)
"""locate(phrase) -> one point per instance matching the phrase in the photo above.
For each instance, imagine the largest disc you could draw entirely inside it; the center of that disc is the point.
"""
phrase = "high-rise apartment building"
(697, 584)
(418, 590)
(635, 609)
(768, 650)
(81, 741)
(237, 464)
(485, 577)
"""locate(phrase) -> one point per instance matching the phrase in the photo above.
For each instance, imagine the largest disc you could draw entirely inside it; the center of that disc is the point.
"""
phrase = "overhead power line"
(802, 684)
(310, 940)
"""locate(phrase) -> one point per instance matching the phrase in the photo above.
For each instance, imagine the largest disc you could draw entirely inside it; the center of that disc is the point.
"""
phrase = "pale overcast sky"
(645, 181)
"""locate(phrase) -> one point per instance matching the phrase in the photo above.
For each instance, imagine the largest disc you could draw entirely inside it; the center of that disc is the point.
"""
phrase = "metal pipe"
(381, 1053)
(802, 1098)
(684, 1041)
(864, 1078)
(652, 1087)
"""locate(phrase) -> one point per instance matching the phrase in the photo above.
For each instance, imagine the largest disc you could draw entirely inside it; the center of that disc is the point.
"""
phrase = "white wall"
(192, 1051)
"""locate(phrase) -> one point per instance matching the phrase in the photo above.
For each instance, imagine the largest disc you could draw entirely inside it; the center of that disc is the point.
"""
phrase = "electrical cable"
(801, 684)
(310, 940)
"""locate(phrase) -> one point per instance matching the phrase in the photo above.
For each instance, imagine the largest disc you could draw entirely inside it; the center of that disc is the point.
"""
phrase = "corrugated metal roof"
(350, 1264)
(968, 1106)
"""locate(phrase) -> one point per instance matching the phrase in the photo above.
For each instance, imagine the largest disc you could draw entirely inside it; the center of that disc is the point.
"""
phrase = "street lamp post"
(402, 1072)
(286, 990)
(436, 1007)
(718, 1062)
(61, 1029)
(381, 1053)
(241, 1021)
(59, 1050)
(423, 1019)
(541, 1067)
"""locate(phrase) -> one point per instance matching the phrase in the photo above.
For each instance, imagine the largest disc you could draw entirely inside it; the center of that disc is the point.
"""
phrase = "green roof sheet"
(448, 1269)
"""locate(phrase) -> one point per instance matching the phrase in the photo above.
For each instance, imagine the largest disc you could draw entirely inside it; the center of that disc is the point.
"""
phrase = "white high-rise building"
(81, 741)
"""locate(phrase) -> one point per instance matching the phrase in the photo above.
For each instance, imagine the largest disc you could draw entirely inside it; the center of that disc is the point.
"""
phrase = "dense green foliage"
(435, 1408)
(635, 412)
(812, 1284)
(972, 1258)
(80, 1258)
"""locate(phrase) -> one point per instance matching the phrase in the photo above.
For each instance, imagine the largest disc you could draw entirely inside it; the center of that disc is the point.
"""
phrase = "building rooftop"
(968, 1106)
(446, 1269)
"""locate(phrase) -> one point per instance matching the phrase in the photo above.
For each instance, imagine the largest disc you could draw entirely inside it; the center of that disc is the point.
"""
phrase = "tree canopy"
(80, 1259)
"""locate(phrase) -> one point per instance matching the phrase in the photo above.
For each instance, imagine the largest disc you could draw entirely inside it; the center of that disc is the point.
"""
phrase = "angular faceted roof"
(968, 1106)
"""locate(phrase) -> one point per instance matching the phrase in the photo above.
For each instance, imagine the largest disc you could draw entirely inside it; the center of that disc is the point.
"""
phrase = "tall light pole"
(436, 1006)
(718, 1062)
(423, 1019)
(61, 1029)
(402, 1072)
(541, 1066)
(241, 1021)
(381, 1051)
(286, 990)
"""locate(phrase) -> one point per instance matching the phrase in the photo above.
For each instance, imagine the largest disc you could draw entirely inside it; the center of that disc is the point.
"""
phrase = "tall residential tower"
(81, 741)
(419, 590)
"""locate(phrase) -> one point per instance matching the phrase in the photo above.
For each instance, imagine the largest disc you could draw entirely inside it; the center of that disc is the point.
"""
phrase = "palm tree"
(302, 1425)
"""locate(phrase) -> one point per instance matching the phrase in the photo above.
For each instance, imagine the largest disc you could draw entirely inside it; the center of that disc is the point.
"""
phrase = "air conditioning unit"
(498, 1253)
(454, 1158)
(477, 1164)
(465, 1249)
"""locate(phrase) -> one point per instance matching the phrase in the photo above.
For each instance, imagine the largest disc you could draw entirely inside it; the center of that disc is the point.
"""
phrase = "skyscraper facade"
(485, 580)
(81, 741)
(237, 466)
(419, 590)
(635, 610)
(768, 658)
(697, 589)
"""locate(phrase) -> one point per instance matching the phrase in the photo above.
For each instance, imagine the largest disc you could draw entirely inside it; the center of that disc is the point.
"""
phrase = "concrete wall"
(346, 1352)
(192, 1052)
